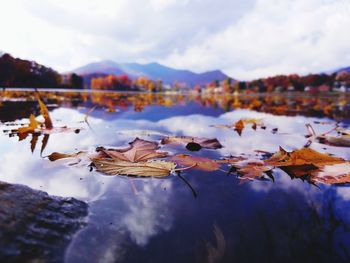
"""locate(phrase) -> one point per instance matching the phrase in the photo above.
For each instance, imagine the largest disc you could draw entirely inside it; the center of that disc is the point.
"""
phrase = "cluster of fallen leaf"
(36, 128)
(143, 158)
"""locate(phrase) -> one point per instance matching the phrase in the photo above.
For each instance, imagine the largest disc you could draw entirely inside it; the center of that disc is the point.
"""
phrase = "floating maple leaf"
(138, 151)
(301, 157)
(311, 165)
(193, 143)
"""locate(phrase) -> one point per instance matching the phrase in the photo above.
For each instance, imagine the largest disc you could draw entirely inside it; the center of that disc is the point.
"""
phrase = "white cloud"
(246, 39)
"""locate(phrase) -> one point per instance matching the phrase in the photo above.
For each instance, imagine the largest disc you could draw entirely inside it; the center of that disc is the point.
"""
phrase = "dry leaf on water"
(241, 124)
(343, 131)
(252, 169)
(341, 140)
(57, 156)
(200, 163)
(301, 157)
(193, 143)
(45, 113)
(138, 151)
(311, 165)
(37, 128)
(33, 124)
(143, 169)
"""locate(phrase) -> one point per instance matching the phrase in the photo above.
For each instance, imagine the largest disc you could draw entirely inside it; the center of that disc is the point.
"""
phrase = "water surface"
(223, 219)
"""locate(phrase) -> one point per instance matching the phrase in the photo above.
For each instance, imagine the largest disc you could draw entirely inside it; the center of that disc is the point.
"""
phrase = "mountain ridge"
(151, 70)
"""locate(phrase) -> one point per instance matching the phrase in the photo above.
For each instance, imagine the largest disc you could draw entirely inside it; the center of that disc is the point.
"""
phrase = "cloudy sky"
(246, 39)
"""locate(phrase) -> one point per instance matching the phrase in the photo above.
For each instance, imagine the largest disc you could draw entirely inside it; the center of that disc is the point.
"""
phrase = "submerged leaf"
(144, 169)
(33, 142)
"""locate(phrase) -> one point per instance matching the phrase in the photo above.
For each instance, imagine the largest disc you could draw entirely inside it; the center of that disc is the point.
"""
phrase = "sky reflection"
(134, 219)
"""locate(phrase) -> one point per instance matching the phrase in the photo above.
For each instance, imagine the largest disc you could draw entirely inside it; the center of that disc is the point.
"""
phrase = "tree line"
(15, 72)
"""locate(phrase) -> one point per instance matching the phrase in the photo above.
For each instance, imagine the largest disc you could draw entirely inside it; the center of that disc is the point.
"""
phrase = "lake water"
(221, 218)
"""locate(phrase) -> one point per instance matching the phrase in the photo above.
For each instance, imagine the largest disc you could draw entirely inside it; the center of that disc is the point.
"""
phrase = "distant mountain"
(347, 69)
(153, 71)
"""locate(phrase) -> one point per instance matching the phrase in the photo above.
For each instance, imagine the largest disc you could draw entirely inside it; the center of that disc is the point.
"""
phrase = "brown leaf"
(199, 163)
(56, 155)
(144, 169)
(251, 169)
(45, 113)
(314, 166)
(239, 126)
(138, 151)
(211, 143)
(231, 159)
(301, 157)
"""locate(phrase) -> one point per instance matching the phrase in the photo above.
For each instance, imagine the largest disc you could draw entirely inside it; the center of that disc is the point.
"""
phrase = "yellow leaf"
(45, 113)
(144, 169)
(33, 124)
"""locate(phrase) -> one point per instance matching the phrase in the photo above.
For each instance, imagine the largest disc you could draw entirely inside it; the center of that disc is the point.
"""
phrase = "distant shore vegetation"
(19, 73)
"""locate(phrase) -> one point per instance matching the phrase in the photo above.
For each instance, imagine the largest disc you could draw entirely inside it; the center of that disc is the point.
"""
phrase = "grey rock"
(36, 227)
